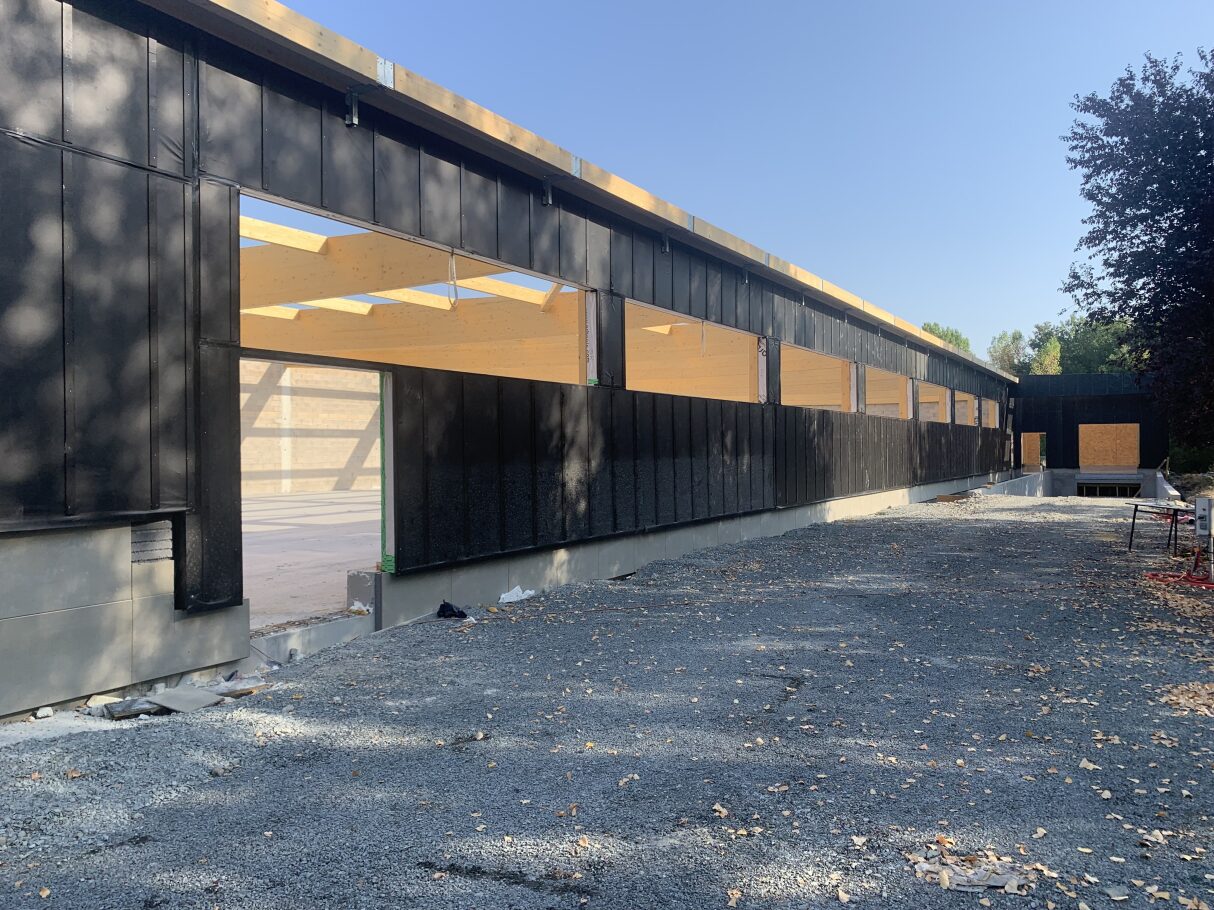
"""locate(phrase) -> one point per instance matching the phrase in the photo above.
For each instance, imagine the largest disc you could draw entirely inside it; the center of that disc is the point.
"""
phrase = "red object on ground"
(1196, 576)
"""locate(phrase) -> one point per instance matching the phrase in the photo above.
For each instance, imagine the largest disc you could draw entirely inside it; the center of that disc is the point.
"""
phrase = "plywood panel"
(1108, 445)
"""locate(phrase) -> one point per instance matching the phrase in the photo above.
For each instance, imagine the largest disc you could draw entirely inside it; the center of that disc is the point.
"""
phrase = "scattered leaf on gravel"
(734, 896)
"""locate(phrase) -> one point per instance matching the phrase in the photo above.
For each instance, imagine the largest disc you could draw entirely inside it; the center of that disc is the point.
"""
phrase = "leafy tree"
(1145, 155)
(1092, 347)
(1007, 351)
(1047, 357)
(949, 334)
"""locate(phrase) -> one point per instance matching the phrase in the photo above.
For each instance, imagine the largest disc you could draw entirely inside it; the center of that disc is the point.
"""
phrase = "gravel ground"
(979, 671)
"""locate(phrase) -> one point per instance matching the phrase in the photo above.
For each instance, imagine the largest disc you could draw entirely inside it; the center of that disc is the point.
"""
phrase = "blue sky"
(909, 152)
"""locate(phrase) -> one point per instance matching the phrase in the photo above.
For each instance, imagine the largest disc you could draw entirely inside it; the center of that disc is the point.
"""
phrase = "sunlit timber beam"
(499, 288)
(366, 263)
(341, 305)
(274, 312)
(421, 298)
(280, 235)
(491, 320)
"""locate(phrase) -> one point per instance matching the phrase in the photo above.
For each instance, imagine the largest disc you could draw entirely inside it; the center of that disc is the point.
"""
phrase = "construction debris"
(447, 610)
(973, 872)
(515, 594)
(179, 699)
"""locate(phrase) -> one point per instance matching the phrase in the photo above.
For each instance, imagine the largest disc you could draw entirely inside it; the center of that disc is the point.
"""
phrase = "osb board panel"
(1030, 449)
(1108, 444)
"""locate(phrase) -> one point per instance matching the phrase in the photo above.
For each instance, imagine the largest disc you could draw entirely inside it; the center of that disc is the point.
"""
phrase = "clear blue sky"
(906, 151)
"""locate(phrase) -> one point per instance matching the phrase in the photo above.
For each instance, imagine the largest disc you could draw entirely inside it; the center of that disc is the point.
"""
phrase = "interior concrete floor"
(298, 548)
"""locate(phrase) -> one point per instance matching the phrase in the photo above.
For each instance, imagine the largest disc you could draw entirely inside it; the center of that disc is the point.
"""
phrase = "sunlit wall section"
(812, 380)
(678, 355)
(965, 409)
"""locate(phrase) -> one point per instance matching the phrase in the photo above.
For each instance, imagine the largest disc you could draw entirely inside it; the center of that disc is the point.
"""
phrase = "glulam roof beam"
(366, 263)
(280, 235)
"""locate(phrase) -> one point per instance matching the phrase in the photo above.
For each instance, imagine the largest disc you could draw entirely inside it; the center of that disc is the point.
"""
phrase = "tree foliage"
(1145, 154)
(1073, 345)
(1047, 357)
(1008, 351)
(949, 334)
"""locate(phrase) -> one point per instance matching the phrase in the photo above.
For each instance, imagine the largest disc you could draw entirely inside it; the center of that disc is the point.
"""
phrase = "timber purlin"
(120, 371)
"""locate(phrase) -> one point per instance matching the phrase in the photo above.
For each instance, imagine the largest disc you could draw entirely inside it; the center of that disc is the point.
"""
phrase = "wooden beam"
(492, 320)
(421, 298)
(499, 288)
(550, 295)
(274, 312)
(494, 336)
(340, 305)
(366, 263)
(280, 235)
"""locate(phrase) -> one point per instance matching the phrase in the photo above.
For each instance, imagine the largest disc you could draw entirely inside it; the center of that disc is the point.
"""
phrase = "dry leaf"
(843, 896)
(1039, 833)
(44, 892)
(721, 811)
(734, 896)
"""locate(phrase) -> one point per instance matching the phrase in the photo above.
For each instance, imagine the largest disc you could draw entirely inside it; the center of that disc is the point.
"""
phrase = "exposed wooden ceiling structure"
(427, 307)
(373, 297)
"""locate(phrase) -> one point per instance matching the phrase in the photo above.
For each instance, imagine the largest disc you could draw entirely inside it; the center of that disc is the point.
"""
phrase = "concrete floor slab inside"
(298, 548)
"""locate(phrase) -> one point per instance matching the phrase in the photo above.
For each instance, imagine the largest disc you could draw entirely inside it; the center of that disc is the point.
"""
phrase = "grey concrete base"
(406, 598)
(277, 644)
(78, 617)
(1036, 483)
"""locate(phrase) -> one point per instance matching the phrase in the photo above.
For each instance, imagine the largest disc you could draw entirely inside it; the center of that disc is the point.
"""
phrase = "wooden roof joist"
(367, 263)
(492, 320)
(280, 235)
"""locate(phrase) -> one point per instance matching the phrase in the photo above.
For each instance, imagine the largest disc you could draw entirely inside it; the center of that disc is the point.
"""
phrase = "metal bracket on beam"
(352, 95)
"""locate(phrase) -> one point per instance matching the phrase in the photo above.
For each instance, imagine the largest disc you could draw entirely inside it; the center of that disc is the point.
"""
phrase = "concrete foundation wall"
(405, 598)
(1036, 483)
(307, 429)
(77, 616)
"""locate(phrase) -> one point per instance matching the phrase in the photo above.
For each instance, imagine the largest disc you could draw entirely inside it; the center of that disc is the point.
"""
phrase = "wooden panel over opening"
(933, 403)
(1032, 450)
(965, 409)
(1109, 445)
(886, 394)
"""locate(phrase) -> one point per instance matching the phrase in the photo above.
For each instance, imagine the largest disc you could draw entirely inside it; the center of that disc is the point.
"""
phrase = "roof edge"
(286, 37)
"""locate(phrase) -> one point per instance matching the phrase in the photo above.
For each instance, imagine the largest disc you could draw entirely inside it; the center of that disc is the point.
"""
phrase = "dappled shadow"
(836, 708)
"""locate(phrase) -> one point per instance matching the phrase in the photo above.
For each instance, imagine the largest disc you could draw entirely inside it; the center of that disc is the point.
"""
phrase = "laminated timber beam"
(365, 263)
(280, 235)
(492, 335)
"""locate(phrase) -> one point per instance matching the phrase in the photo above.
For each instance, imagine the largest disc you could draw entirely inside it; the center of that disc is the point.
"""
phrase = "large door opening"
(311, 485)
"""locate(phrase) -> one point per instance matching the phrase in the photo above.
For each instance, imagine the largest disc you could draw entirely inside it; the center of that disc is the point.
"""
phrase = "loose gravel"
(776, 723)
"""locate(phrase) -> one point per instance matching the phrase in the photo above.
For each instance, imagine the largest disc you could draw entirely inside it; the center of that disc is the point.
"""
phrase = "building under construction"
(227, 229)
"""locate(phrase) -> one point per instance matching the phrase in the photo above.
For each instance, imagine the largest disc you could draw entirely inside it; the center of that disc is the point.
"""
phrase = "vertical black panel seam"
(465, 519)
(69, 344)
(152, 102)
(153, 345)
(535, 530)
(68, 75)
(499, 465)
(234, 265)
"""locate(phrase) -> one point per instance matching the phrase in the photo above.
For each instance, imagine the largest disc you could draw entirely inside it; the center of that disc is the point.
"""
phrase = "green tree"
(949, 334)
(1146, 163)
(1007, 351)
(1047, 357)
(1092, 347)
